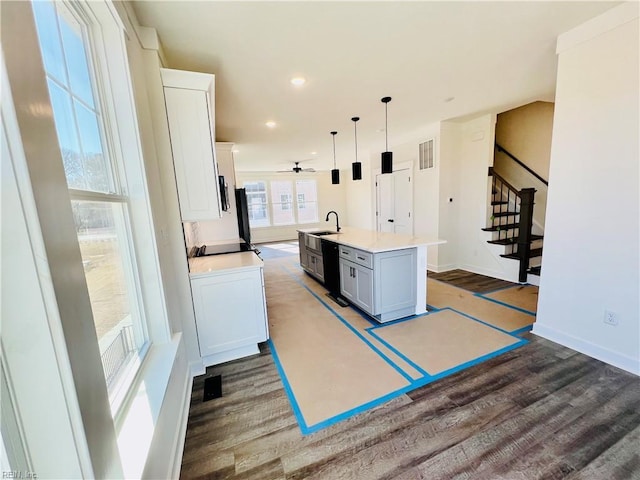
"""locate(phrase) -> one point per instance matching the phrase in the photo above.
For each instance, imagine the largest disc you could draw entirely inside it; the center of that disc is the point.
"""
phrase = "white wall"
(448, 165)
(360, 194)
(591, 258)
(330, 197)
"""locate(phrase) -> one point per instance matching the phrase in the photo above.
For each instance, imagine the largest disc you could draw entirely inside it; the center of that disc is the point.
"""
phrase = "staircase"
(511, 222)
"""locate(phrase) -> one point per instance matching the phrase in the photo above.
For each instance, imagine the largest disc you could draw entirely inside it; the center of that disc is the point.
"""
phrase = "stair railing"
(522, 201)
(528, 169)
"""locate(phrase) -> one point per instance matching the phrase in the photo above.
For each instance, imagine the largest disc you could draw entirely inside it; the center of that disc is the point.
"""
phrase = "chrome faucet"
(337, 224)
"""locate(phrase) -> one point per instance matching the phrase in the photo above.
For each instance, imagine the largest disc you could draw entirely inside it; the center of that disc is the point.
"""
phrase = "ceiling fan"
(297, 169)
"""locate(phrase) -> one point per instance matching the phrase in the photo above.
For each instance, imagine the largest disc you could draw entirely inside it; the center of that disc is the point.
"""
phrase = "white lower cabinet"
(230, 313)
(356, 284)
(381, 284)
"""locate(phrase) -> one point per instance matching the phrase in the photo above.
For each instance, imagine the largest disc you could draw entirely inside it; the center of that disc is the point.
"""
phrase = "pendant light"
(356, 167)
(335, 173)
(387, 156)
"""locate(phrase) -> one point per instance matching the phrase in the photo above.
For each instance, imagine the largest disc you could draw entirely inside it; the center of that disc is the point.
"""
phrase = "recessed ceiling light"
(314, 153)
(271, 124)
(298, 81)
(235, 150)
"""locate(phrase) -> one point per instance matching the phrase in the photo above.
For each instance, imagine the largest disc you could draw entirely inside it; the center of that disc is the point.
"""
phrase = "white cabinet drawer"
(357, 256)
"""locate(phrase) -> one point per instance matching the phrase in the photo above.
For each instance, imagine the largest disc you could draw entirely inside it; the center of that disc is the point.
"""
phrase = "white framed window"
(307, 195)
(257, 203)
(281, 200)
(291, 202)
(97, 174)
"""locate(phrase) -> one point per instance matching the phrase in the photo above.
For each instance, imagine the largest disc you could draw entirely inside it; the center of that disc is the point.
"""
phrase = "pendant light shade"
(356, 167)
(335, 173)
(387, 156)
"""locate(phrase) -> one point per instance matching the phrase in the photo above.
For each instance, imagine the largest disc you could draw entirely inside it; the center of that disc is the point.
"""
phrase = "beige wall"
(526, 133)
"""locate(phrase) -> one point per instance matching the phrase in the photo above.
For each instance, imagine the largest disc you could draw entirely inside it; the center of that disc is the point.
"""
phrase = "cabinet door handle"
(390, 220)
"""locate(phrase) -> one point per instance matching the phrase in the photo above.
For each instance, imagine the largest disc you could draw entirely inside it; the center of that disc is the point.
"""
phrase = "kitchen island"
(383, 274)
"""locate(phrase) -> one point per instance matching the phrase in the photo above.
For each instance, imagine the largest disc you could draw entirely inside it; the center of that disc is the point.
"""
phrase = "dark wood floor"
(471, 281)
(540, 411)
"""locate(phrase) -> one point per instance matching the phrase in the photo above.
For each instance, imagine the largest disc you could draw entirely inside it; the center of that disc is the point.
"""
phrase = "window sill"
(136, 422)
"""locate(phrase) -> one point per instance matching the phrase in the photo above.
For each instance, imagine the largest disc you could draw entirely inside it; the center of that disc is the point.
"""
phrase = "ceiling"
(437, 60)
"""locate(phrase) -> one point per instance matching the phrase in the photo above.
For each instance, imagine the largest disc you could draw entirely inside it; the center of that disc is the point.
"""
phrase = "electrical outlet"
(610, 318)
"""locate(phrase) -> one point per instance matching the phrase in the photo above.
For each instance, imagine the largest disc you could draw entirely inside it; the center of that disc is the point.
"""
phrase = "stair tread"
(534, 252)
(494, 228)
(499, 202)
(504, 241)
(535, 270)
(505, 214)
(512, 240)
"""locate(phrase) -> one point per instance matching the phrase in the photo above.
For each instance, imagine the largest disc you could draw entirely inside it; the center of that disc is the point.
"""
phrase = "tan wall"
(526, 133)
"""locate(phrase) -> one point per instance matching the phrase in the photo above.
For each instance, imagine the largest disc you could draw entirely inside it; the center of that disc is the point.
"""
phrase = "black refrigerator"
(243, 214)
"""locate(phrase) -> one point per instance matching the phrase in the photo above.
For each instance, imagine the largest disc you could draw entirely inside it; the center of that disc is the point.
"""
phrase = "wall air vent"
(426, 154)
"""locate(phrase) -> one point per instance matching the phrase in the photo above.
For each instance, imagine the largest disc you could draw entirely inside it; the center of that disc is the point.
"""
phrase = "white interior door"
(402, 202)
(394, 199)
(384, 199)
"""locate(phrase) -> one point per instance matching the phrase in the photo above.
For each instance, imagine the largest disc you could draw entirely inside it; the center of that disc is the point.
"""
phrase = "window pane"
(45, 16)
(281, 199)
(76, 56)
(96, 171)
(67, 136)
(100, 235)
(257, 204)
(307, 198)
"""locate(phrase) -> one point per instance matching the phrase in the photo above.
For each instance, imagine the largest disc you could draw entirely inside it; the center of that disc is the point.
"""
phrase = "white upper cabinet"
(189, 98)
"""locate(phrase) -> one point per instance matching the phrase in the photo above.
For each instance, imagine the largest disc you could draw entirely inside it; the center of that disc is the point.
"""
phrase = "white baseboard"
(229, 355)
(629, 364)
(441, 268)
(533, 279)
(197, 368)
(502, 275)
(178, 448)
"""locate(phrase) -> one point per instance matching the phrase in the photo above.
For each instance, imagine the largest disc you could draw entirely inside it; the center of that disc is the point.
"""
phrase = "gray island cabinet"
(383, 274)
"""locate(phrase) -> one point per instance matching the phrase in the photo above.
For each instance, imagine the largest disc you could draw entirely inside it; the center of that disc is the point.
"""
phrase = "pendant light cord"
(386, 101)
(386, 133)
(334, 149)
(355, 133)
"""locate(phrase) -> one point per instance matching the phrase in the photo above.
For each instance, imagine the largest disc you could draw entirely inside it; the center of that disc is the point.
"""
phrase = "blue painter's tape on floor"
(413, 383)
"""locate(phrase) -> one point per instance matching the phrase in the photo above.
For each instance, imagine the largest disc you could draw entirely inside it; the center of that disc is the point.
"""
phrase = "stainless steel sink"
(324, 232)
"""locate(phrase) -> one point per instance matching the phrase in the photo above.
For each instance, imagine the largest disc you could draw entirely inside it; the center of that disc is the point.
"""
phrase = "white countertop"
(374, 242)
(199, 266)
